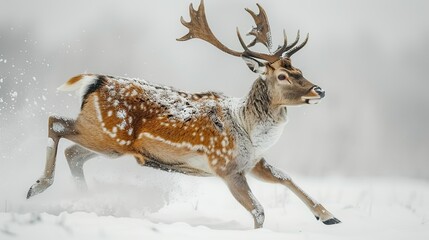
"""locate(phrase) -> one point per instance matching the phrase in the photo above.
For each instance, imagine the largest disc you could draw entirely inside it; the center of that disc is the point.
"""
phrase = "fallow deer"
(201, 134)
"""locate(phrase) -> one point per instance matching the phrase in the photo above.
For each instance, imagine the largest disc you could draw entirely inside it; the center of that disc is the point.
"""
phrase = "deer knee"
(59, 126)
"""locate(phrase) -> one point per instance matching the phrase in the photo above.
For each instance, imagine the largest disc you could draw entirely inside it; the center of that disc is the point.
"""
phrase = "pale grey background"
(371, 57)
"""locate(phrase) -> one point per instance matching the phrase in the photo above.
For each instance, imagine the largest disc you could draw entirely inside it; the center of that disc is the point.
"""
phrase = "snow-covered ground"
(135, 206)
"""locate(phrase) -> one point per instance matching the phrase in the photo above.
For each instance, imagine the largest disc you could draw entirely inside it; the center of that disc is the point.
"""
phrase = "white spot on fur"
(122, 125)
(100, 119)
(121, 114)
(97, 109)
(187, 145)
(225, 142)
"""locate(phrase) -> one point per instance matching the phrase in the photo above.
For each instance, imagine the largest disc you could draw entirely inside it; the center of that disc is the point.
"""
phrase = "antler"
(297, 48)
(285, 48)
(247, 51)
(199, 28)
(262, 31)
(262, 35)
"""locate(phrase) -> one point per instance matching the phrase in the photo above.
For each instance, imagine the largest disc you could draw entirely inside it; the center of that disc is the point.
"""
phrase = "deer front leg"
(239, 188)
(268, 173)
(57, 128)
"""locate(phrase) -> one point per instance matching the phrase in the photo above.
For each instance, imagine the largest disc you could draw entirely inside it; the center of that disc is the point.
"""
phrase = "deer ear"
(255, 65)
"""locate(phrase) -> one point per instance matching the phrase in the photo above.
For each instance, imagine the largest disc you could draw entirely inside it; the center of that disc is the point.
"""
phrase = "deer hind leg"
(239, 188)
(58, 128)
(76, 156)
(268, 173)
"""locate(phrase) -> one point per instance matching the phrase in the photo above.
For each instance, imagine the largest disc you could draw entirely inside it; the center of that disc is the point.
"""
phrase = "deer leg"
(58, 127)
(76, 156)
(239, 188)
(268, 173)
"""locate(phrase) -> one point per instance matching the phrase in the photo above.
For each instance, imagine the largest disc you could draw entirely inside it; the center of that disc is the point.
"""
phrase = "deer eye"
(281, 77)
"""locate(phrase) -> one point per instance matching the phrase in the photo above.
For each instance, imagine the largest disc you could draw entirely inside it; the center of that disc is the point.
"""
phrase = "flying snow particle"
(13, 95)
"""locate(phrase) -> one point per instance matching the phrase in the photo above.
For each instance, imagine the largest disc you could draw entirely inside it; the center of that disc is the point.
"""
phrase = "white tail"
(78, 83)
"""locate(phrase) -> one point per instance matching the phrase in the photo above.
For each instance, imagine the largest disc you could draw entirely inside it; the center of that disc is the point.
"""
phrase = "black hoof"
(331, 221)
(29, 194)
(317, 218)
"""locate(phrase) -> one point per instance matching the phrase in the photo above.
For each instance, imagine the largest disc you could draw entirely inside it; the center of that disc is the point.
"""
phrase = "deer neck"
(258, 110)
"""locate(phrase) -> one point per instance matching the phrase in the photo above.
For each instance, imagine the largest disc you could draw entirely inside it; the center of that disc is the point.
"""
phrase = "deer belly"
(170, 157)
(192, 165)
(199, 162)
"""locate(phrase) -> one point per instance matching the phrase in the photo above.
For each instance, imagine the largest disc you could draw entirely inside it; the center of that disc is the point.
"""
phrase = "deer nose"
(319, 91)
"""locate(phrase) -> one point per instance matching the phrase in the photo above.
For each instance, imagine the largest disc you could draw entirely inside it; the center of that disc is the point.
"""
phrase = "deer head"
(286, 84)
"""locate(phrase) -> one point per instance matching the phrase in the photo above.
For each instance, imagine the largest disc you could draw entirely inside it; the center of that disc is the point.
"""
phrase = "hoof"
(332, 221)
(40, 186)
(30, 193)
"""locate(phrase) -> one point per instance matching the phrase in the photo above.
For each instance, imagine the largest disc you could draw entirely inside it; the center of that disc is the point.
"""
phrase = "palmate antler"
(199, 28)
(262, 30)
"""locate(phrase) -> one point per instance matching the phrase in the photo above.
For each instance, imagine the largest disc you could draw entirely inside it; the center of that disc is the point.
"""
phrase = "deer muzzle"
(314, 96)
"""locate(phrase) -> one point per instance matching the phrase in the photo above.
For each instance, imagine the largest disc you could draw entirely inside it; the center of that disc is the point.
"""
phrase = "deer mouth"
(311, 100)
